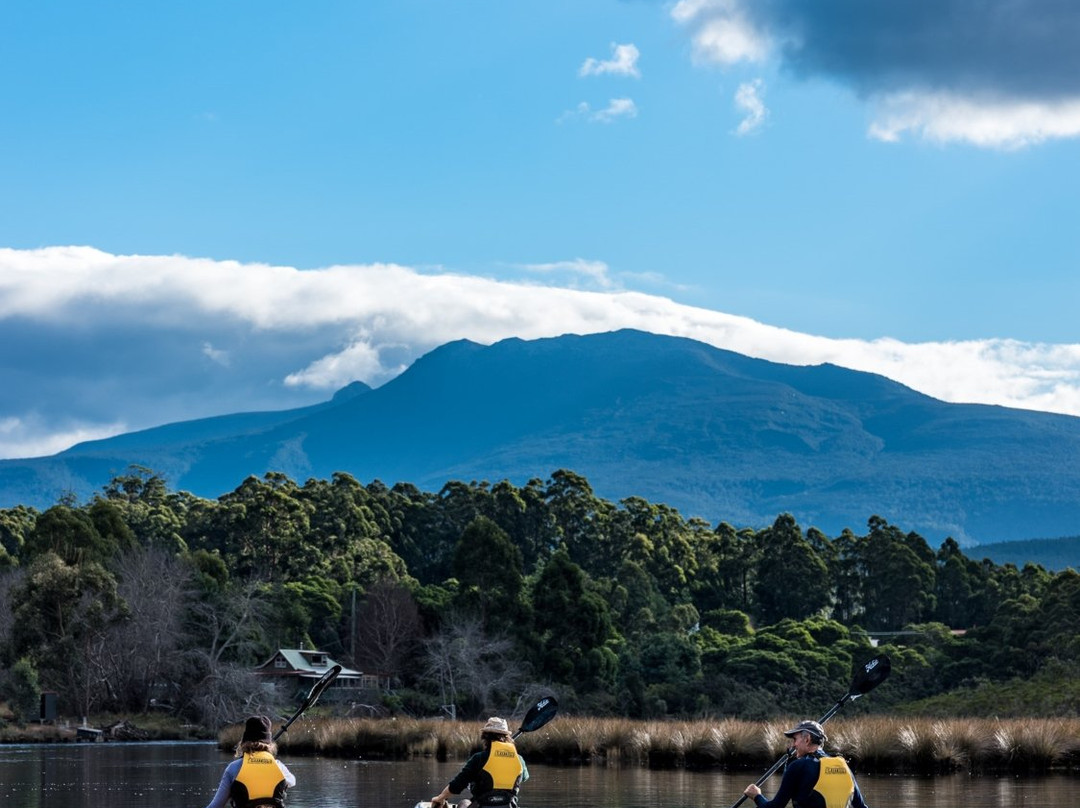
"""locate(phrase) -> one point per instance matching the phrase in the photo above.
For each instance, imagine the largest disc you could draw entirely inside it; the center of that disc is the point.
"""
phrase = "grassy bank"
(873, 744)
(147, 727)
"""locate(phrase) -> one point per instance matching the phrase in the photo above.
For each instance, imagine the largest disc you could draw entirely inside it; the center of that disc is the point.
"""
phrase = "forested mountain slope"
(712, 433)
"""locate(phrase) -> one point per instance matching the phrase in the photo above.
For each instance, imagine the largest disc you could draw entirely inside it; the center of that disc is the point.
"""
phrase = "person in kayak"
(814, 779)
(493, 775)
(256, 778)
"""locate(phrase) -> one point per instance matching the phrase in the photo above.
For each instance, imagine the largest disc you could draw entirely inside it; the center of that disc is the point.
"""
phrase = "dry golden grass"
(1033, 744)
(882, 744)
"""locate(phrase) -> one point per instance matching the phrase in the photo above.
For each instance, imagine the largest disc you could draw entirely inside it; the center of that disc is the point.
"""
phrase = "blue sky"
(209, 207)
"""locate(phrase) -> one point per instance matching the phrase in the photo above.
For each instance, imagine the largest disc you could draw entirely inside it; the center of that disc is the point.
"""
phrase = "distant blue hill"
(1054, 554)
(712, 433)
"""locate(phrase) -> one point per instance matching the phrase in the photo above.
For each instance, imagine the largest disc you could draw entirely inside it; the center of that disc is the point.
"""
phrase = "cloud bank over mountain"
(101, 344)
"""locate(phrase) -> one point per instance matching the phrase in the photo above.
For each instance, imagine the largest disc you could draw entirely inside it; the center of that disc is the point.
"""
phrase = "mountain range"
(713, 433)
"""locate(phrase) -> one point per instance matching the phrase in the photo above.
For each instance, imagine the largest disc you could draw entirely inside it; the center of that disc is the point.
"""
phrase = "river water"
(185, 775)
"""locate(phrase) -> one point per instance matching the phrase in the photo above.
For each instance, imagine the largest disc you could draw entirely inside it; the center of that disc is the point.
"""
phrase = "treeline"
(480, 595)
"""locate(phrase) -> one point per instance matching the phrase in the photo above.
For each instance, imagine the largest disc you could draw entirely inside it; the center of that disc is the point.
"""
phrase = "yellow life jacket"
(835, 782)
(504, 768)
(259, 782)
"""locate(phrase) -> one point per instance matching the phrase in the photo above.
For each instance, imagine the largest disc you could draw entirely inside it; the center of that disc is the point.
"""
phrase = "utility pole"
(352, 631)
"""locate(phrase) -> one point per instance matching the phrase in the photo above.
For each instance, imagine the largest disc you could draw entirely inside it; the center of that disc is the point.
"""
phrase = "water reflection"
(174, 775)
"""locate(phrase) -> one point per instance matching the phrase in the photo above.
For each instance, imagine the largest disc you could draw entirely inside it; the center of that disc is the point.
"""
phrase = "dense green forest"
(481, 595)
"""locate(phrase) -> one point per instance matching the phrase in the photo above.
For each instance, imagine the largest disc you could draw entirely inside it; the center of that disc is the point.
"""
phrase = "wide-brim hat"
(817, 732)
(257, 728)
(496, 726)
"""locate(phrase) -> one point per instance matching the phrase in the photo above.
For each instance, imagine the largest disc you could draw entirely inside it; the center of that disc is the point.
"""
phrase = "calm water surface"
(185, 775)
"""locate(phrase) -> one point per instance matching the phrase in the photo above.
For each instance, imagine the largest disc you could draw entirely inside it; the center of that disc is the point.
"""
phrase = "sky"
(212, 207)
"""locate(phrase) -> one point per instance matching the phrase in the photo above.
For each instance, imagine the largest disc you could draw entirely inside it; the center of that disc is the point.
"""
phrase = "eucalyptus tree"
(582, 519)
(488, 567)
(1009, 645)
(637, 605)
(458, 504)
(524, 514)
(62, 614)
(848, 577)
(1057, 632)
(72, 534)
(574, 633)
(15, 525)
(899, 582)
(142, 500)
(725, 562)
(790, 578)
(657, 537)
(957, 585)
(266, 528)
(413, 530)
(341, 513)
(306, 613)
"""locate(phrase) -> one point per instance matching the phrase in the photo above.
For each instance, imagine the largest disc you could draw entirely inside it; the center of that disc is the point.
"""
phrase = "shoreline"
(138, 729)
(874, 745)
(894, 745)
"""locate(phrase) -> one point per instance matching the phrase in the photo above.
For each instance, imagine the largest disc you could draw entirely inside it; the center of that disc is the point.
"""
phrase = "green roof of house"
(306, 662)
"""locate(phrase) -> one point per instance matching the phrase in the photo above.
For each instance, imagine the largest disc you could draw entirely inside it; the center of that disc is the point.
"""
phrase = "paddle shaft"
(869, 676)
(787, 755)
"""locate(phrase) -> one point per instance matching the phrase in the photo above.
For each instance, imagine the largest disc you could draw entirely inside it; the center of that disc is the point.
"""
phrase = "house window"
(317, 660)
(280, 663)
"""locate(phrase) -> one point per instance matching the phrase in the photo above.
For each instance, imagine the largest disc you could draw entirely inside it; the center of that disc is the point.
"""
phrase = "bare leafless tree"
(228, 628)
(471, 666)
(143, 657)
(231, 692)
(387, 628)
(231, 622)
(8, 580)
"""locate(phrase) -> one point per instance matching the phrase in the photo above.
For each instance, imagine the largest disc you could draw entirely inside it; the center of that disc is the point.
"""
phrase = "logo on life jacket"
(835, 783)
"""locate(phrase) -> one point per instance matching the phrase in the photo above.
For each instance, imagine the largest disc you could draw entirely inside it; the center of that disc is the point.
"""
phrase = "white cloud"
(721, 32)
(1001, 124)
(596, 272)
(214, 355)
(616, 108)
(1000, 81)
(623, 62)
(34, 437)
(359, 360)
(748, 99)
(308, 332)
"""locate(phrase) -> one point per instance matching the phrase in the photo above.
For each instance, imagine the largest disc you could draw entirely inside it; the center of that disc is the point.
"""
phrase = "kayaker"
(256, 778)
(493, 775)
(814, 779)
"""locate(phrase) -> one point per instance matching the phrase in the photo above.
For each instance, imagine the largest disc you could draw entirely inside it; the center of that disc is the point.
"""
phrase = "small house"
(296, 670)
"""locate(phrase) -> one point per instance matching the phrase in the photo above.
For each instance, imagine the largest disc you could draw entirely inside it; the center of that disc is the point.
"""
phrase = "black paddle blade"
(321, 685)
(870, 675)
(539, 714)
(312, 697)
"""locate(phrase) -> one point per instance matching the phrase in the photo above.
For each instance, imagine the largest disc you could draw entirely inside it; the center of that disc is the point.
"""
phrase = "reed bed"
(872, 744)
